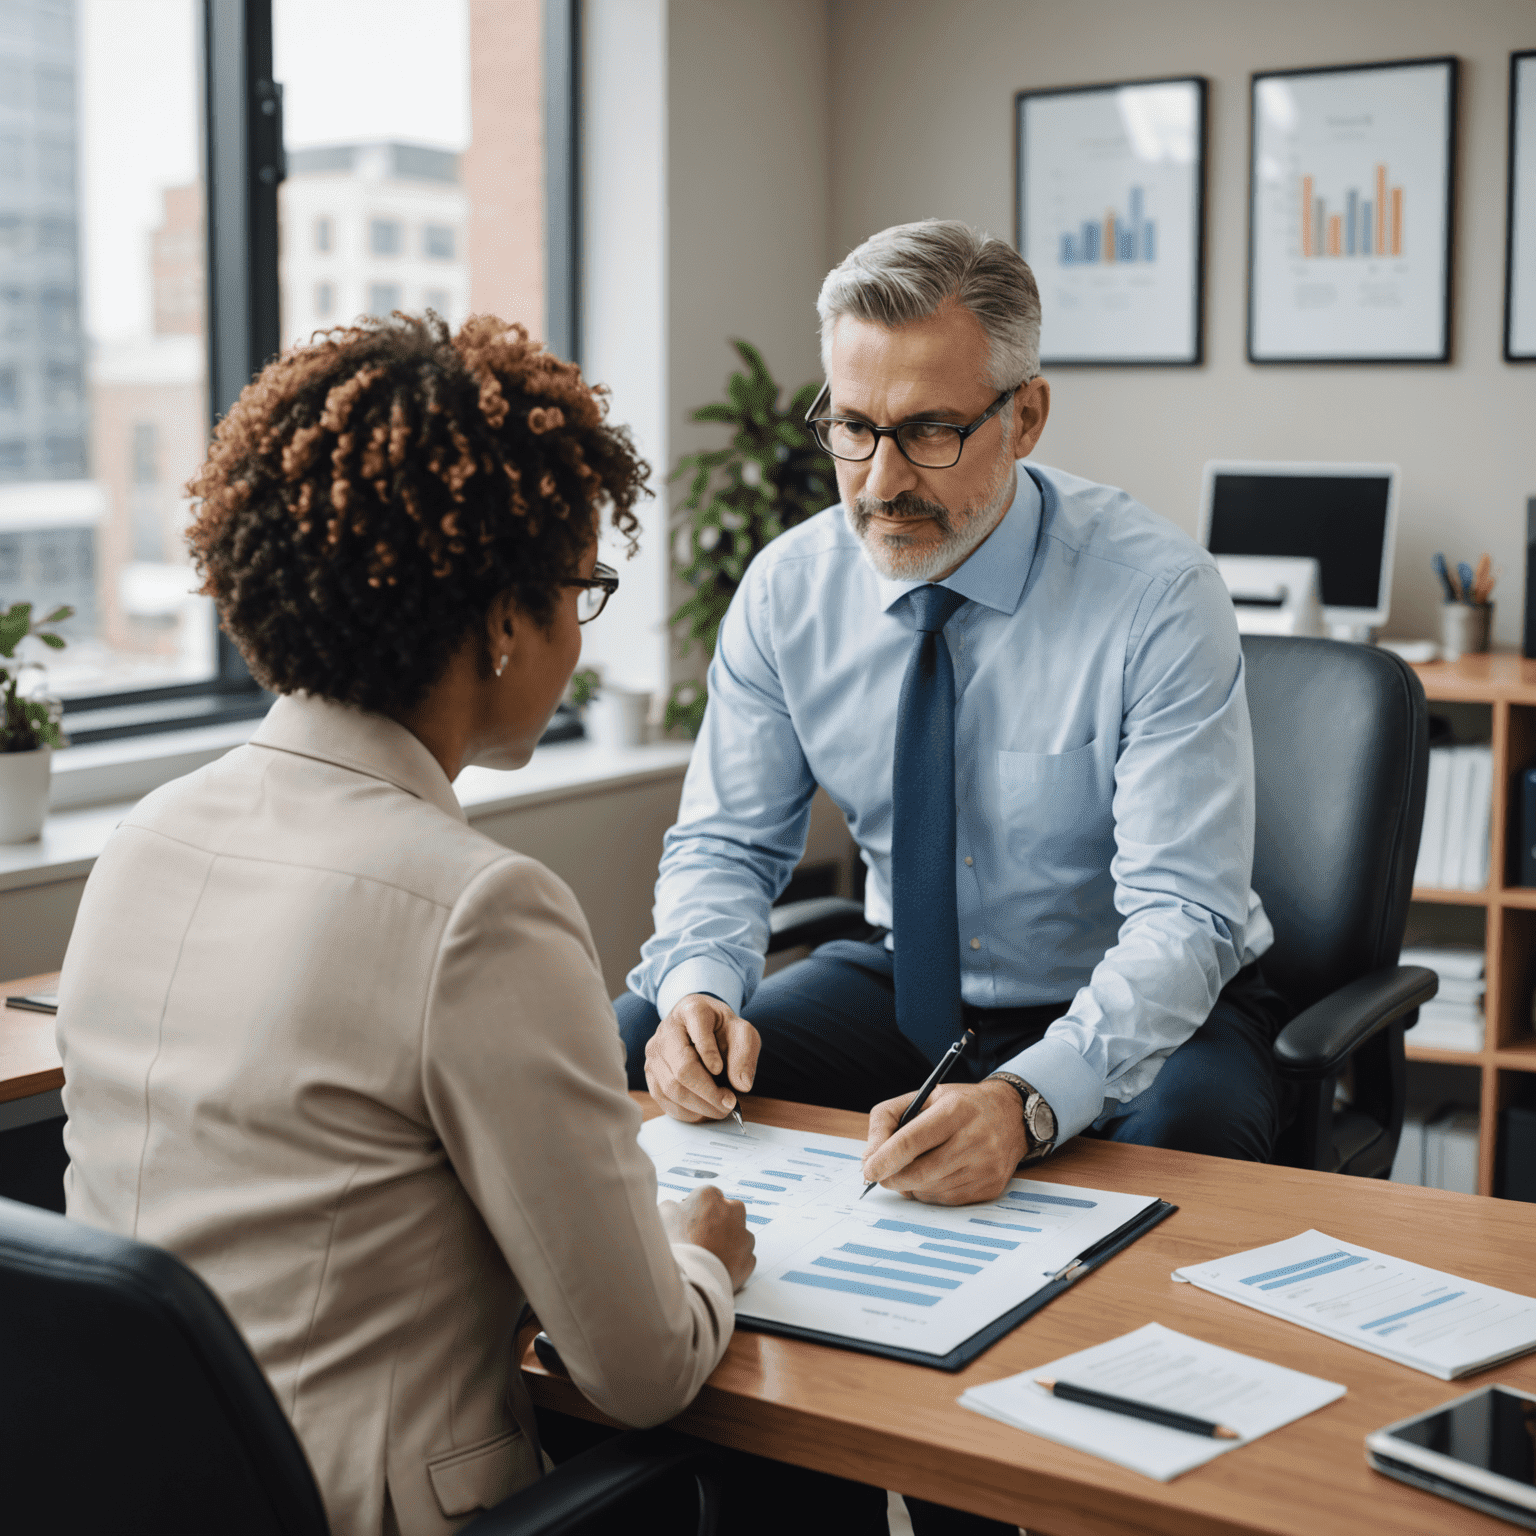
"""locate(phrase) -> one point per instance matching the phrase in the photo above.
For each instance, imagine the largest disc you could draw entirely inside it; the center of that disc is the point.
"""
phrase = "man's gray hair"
(906, 272)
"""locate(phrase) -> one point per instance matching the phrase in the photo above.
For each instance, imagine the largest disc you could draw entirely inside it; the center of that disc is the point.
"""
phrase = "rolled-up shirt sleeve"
(524, 1079)
(741, 826)
(1183, 824)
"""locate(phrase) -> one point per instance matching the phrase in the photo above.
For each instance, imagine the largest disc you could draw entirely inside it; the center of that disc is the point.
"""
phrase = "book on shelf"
(1448, 1027)
(1450, 962)
(1438, 1149)
(1458, 820)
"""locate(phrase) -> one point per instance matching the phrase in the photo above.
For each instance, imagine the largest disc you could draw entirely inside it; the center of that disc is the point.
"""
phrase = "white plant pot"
(24, 778)
(616, 717)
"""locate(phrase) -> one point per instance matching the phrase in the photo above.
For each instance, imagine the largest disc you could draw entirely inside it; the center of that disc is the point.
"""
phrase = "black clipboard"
(963, 1353)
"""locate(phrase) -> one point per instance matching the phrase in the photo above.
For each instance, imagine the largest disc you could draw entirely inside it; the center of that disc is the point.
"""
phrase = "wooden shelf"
(1506, 684)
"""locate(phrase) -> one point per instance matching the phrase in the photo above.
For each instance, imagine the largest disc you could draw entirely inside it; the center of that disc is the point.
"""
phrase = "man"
(1025, 692)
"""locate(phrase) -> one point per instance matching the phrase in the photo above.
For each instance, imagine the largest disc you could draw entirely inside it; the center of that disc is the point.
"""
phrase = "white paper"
(1170, 1370)
(1420, 1317)
(882, 1270)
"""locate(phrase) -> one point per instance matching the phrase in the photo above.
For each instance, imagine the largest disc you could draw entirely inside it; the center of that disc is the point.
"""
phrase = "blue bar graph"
(859, 1288)
(851, 1157)
(778, 1173)
(910, 1258)
(761, 1221)
(875, 1272)
(755, 1184)
(683, 1187)
(1291, 1269)
(887, 1224)
(1081, 1205)
(1132, 238)
(1423, 1306)
(964, 1253)
(1007, 1226)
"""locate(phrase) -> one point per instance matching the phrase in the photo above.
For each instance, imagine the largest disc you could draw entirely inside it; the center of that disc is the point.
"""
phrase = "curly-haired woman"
(350, 1059)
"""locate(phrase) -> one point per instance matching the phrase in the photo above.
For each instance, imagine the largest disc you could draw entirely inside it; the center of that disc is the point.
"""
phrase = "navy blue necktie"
(925, 920)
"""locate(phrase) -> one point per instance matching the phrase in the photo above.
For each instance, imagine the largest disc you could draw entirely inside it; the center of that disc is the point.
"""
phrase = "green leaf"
(59, 614)
(754, 360)
(716, 412)
(53, 642)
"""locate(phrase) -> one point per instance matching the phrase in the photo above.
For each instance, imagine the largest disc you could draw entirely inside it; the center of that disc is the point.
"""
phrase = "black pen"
(937, 1076)
(1134, 1410)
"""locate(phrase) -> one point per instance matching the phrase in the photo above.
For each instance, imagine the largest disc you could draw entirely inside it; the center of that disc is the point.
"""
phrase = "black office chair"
(1341, 754)
(129, 1403)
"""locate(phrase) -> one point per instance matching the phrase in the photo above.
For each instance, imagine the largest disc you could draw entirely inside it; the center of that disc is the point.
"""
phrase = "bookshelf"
(1505, 685)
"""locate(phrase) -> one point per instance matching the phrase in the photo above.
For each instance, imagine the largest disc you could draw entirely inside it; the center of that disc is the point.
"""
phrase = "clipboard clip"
(1070, 1272)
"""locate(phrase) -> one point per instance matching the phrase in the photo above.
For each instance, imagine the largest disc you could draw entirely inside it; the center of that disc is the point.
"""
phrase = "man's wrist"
(1039, 1117)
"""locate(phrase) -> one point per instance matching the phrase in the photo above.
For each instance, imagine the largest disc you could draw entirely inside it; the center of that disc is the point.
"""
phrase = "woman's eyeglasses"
(596, 589)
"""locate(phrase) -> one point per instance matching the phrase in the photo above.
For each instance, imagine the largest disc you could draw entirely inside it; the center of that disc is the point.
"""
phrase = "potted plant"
(772, 476)
(29, 726)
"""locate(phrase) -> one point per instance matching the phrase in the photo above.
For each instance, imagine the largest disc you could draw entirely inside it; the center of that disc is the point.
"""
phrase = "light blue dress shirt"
(1103, 766)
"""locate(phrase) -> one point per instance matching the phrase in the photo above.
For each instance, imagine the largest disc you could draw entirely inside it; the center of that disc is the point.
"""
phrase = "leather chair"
(1341, 757)
(131, 1404)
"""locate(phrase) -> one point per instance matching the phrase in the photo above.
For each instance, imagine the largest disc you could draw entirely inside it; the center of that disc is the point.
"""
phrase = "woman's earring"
(501, 666)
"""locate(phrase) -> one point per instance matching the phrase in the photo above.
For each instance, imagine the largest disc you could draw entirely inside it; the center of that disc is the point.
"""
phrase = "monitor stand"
(1360, 634)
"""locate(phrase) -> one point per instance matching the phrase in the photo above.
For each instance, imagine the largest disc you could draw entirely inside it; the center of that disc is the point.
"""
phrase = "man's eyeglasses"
(596, 589)
(927, 444)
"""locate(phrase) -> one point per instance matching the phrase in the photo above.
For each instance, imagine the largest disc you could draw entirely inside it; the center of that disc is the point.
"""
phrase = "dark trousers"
(828, 1027)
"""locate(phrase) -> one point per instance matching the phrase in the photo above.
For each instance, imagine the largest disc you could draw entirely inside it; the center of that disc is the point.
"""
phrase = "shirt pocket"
(481, 1476)
(1057, 816)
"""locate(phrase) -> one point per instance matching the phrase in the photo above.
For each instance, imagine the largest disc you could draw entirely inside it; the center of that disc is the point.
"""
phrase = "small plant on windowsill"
(29, 725)
(772, 476)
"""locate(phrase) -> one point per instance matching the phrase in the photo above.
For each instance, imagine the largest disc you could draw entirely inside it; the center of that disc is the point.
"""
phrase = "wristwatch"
(1039, 1117)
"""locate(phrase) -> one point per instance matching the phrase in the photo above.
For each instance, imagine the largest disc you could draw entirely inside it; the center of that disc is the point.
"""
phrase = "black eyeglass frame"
(603, 579)
(813, 421)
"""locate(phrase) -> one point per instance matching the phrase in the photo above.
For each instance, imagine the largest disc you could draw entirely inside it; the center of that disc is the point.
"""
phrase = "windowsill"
(77, 831)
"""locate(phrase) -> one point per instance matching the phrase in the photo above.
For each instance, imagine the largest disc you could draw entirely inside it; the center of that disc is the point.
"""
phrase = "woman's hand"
(708, 1219)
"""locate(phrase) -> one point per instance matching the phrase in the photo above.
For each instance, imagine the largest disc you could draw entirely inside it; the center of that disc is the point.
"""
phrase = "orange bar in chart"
(1397, 221)
(1109, 235)
(1379, 244)
(1335, 235)
(1306, 215)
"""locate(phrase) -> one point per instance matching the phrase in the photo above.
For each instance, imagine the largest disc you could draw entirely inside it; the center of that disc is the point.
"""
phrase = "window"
(12, 162)
(383, 298)
(384, 237)
(438, 300)
(10, 395)
(322, 234)
(325, 300)
(437, 241)
(61, 387)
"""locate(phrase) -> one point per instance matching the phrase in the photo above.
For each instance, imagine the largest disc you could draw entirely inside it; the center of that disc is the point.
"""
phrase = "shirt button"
(968, 861)
(975, 943)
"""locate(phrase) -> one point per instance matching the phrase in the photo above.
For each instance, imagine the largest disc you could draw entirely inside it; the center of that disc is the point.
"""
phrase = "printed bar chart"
(1113, 239)
(1366, 226)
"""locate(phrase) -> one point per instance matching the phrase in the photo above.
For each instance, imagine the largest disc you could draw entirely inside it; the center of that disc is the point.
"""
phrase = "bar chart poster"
(1109, 218)
(1350, 231)
(1520, 261)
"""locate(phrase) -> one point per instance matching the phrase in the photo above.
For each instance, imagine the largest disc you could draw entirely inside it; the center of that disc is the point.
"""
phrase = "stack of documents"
(1458, 813)
(1169, 1370)
(1453, 1019)
(881, 1272)
(1434, 1322)
(1439, 1150)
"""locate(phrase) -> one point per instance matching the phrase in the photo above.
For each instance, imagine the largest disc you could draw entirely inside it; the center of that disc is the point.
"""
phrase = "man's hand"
(690, 1048)
(963, 1148)
(707, 1218)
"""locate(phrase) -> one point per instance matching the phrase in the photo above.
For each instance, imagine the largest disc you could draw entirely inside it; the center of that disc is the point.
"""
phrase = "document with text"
(882, 1270)
(1424, 1318)
(1168, 1370)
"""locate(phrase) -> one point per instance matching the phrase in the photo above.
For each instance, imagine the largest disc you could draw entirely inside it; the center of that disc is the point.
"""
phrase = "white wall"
(922, 125)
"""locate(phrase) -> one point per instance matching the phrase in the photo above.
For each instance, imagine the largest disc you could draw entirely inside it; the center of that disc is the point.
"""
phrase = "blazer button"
(975, 943)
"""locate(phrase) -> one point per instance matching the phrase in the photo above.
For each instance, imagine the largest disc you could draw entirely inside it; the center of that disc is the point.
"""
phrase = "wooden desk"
(29, 1059)
(899, 1426)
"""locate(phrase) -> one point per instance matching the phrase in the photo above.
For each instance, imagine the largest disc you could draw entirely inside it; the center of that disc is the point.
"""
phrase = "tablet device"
(1479, 1450)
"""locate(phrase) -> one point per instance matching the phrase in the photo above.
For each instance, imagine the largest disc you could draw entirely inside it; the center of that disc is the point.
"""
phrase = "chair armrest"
(1320, 1039)
(596, 1481)
(814, 921)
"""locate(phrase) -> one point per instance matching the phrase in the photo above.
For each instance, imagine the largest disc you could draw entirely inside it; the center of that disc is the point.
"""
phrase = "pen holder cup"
(1464, 629)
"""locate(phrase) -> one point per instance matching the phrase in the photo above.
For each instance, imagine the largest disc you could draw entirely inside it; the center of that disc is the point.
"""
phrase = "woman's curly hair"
(370, 496)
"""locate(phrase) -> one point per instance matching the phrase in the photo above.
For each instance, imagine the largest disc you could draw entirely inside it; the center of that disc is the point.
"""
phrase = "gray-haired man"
(1025, 692)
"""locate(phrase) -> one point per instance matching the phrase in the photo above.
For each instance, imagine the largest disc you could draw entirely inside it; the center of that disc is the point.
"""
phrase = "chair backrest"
(1341, 757)
(128, 1400)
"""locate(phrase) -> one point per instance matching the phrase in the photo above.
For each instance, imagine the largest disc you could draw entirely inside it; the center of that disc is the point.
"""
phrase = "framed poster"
(1520, 229)
(1109, 213)
(1349, 214)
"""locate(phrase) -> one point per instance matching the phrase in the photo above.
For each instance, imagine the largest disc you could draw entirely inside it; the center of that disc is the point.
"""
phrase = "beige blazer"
(355, 1063)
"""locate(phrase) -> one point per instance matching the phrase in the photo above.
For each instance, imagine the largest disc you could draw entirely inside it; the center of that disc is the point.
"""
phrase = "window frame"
(243, 165)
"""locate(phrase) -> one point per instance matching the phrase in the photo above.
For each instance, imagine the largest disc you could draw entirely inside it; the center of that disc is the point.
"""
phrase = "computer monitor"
(1344, 516)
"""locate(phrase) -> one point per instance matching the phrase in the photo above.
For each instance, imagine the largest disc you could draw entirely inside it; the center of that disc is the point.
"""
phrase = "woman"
(351, 1060)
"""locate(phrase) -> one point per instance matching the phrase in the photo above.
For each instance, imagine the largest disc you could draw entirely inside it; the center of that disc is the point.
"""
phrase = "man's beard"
(896, 557)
